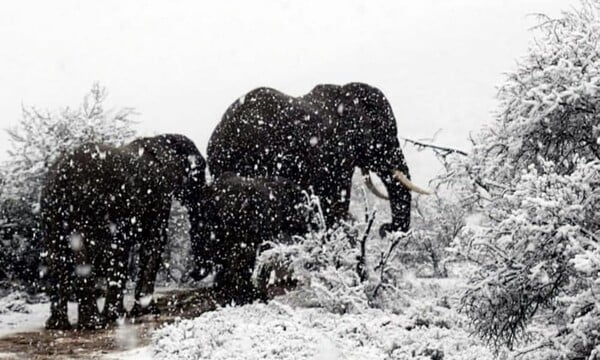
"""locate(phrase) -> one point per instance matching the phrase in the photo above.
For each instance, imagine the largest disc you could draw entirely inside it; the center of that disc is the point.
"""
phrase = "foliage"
(437, 221)
(549, 104)
(35, 142)
(543, 244)
(335, 268)
(537, 168)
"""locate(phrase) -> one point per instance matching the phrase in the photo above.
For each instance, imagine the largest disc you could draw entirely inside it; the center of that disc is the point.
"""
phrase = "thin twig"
(446, 150)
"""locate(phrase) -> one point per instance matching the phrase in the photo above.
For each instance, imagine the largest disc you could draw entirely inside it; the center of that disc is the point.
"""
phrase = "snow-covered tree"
(538, 170)
(34, 144)
(550, 104)
(543, 252)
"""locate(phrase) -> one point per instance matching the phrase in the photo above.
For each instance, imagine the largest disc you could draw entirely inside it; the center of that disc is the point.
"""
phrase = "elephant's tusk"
(399, 175)
(369, 183)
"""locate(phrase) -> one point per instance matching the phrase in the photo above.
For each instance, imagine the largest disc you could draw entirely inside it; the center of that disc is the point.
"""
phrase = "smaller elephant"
(239, 214)
(97, 202)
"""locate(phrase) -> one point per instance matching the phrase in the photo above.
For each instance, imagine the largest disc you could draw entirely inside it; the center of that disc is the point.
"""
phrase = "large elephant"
(317, 140)
(97, 202)
(238, 215)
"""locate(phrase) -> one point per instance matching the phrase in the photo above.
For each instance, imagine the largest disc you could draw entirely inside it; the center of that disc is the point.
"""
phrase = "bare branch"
(440, 150)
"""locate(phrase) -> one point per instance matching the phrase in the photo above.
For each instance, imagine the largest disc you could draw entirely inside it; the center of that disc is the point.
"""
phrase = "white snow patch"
(16, 315)
(83, 270)
(134, 354)
(76, 241)
(145, 300)
(278, 331)
(112, 227)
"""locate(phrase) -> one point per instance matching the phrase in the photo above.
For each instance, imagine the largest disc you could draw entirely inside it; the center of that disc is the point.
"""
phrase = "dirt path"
(45, 344)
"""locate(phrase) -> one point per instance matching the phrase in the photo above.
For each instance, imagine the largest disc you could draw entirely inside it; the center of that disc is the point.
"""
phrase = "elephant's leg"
(262, 283)
(225, 282)
(202, 245)
(337, 202)
(235, 279)
(85, 280)
(59, 295)
(263, 276)
(88, 314)
(151, 250)
(116, 278)
(59, 275)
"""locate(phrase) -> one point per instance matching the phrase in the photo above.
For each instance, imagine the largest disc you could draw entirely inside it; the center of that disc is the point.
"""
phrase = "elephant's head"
(372, 128)
(180, 168)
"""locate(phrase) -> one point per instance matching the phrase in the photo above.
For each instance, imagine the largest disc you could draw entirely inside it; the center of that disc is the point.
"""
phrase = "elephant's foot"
(89, 317)
(200, 272)
(96, 322)
(140, 310)
(240, 294)
(113, 312)
(58, 322)
(242, 298)
(386, 228)
(261, 294)
(252, 294)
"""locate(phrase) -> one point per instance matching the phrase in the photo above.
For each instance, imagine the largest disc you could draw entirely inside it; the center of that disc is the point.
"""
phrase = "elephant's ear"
(181, 162)
(373, 106)
(354, 122)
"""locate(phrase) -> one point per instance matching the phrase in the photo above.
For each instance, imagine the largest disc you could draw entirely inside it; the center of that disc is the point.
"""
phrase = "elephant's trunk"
(400, 197)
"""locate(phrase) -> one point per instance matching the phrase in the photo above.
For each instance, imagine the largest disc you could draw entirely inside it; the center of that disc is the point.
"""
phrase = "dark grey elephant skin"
(98, 201)
(315, 140)
(240, 214)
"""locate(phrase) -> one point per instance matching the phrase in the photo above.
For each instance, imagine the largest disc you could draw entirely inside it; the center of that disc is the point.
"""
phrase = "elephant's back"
(258, 131)
(79, 163)
(82, 174)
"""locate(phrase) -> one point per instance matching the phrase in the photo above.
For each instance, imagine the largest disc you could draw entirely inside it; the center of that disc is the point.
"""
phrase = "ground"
(22, 333)
(188, 328)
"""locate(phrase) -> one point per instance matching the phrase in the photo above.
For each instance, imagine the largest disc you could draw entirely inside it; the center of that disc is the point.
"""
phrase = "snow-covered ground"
(16, 315)
(134, 354)
(428, 329)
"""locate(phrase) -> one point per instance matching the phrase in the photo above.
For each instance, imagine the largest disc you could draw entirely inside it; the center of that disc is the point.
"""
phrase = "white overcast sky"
(181, 63)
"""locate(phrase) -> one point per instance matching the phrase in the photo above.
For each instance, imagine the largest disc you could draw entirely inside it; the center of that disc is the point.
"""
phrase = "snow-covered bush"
(538, 170)
(14, 301)
(277, 330)
(543, 253)
(343, 269)
(437, 221)
(34, 144)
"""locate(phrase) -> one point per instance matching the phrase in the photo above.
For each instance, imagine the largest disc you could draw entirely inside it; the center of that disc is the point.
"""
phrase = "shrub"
(35, 142)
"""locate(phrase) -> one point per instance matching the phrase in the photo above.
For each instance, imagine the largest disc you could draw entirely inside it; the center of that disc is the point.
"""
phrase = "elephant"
(317, 140)
(239, 215)
(96, 203)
